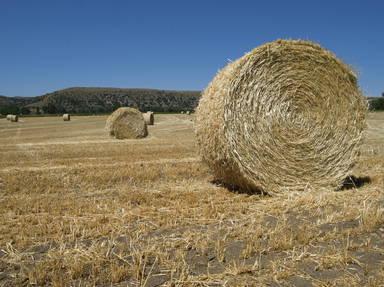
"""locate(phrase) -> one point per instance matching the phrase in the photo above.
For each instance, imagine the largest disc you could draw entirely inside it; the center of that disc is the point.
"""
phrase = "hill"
(99, 100)
(14, 105)
(102, 100)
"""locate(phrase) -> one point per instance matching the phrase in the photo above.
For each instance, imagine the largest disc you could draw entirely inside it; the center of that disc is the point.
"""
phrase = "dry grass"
(80, 209)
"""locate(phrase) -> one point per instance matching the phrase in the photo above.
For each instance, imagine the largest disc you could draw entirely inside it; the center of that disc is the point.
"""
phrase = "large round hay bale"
(149, 118)
(66, 117)
(287, 116)
(126, 123)
(14, 118)
(9, 117)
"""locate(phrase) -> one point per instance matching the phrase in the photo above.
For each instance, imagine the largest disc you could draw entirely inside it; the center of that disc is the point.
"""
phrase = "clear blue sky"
(50, 45)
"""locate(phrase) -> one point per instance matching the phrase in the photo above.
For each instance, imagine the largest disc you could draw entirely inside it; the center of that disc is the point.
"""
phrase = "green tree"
(25, 111)
(50, 109)
(5, 110)
(377, 104)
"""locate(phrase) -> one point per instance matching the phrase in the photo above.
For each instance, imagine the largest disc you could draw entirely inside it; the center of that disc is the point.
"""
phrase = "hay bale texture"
(288, 116)
(126, 123)
(14, 118)
(66, 117)
(149, 118)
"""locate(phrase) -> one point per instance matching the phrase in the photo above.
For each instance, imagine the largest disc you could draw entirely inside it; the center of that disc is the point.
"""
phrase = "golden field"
(78, 208)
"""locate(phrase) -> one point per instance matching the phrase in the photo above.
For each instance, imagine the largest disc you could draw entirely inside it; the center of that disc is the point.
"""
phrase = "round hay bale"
(149, 118)
(182, 112)
(9, 117)
(66, 117)
(126, 123)
(14, 118)
(188, 112)
(287, 116)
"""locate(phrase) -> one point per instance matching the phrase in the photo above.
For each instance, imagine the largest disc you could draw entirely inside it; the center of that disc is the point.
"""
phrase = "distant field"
(78, 208)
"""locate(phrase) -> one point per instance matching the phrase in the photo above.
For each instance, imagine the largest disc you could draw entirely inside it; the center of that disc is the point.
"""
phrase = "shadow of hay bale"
(237, 189)
(349, 182)
(355, 182)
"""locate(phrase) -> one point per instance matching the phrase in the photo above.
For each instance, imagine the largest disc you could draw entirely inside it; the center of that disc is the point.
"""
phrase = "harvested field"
(78, 208)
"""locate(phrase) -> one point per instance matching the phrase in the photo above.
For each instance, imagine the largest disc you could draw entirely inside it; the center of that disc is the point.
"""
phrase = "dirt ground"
(78, 208)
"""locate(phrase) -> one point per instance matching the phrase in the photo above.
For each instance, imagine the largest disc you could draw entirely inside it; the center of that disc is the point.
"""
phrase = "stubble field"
(78, 208)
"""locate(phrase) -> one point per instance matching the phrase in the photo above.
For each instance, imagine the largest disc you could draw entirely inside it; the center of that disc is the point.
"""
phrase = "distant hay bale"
(288, 116)
(14, 118)
(66, 117)
(149, 118)
(188, 112)
(126, 123)
(9, 117)
(182, 112)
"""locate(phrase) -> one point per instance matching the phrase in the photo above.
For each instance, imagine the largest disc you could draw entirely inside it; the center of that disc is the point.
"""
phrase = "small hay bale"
(14, 118)
(66, 117)
(126, 123)
(9, 117)
(288, 116)
(149, 118)
(188, 112)
(182, 112)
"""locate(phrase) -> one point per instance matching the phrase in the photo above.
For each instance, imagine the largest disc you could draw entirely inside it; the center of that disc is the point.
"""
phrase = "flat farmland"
(78, 208)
